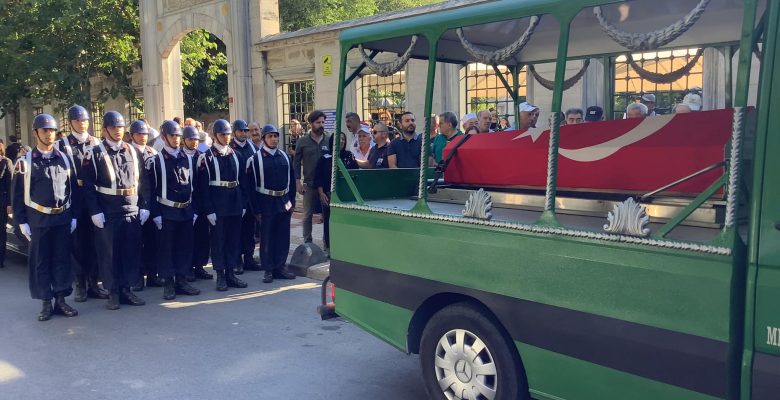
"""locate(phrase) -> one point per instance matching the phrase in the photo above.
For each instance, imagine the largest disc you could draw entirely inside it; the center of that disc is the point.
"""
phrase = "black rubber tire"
(510, 376)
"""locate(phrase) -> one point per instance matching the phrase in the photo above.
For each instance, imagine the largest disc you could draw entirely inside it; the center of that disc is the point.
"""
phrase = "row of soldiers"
(104, 204)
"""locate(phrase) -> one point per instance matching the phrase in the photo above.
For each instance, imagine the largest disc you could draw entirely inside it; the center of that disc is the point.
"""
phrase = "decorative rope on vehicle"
(668, 77)
(737, 129)
(388, 68)
(502, 55)
(552, 162)
(567, 84)
(653, 40)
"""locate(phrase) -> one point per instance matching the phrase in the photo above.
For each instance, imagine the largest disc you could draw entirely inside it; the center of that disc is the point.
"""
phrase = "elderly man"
(529, 115)
(377, 156)
(574, 116)
(448, 125)
(484, 118)
(636, 110)
(352, 121)
(468, 121)
(648, 99)
(254, 134)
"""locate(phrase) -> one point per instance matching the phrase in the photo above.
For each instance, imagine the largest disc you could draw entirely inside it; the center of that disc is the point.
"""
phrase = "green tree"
(50, 48)
(204, 73)
(300, 14)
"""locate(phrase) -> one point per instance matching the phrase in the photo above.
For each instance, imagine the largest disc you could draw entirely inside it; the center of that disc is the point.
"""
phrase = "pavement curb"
(316, 271)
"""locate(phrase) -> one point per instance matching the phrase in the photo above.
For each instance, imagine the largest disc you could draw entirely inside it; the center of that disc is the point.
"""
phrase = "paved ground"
(263, 342)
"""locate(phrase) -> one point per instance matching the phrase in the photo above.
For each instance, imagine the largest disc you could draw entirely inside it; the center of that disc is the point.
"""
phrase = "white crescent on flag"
(600, 151)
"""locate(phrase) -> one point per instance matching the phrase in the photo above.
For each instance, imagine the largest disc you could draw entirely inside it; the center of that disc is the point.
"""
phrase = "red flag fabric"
(630, 155)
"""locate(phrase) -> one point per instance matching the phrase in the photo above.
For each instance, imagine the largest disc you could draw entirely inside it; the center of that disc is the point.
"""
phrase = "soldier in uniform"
(6, 175)
(200, 231)
(139, 136)
(271, 182)
(45, 205)
(168, 189)
(112, 175)
(219, 172)
(75, 146)
(244, 149)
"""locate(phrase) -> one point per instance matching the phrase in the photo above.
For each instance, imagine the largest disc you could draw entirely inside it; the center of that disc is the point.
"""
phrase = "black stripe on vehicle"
(766, 377)
(683, 360)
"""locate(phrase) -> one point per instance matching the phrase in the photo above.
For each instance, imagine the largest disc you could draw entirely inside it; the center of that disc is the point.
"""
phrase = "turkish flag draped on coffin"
(630, 155)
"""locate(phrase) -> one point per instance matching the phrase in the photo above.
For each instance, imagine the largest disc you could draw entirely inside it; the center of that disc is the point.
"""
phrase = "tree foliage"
(300, 14)
(50, 48)
(204, 73)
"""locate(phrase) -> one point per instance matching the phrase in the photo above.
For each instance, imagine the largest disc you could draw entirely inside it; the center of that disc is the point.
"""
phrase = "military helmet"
(139, 127)
(78, 113)
(269, 129)
(169, 127)
(222, 127)
(189, 132)
(44, 121)
(240, 125)
(113, 119)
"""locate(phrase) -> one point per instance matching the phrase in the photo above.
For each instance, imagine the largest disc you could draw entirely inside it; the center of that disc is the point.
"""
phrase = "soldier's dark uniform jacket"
(271, 182)
(112, 177)
(170, 187)
(218, 181)
(247, 238)
(148, 230)
(45, 200)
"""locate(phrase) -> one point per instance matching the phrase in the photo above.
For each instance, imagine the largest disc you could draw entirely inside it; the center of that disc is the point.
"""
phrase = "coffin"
(630, 155)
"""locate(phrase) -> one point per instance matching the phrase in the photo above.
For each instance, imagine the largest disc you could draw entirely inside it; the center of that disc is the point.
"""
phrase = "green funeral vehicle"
(629, 258)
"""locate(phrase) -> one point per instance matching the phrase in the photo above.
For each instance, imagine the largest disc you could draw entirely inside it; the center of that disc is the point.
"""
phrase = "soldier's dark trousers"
(119, 258)
(175, 248)
(247, 238)
(274, 240)
(84, 252)
(3, 234)
(201, 234)
(49, 262)
(225, 248)
(149, 256)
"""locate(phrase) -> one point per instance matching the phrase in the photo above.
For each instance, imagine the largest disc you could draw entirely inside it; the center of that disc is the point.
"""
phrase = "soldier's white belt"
(275, 193)
(48, 210)
(116, 192)
(226, 184)
(174, 204)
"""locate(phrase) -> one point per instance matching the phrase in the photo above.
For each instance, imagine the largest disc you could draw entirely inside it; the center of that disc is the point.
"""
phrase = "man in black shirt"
(404, 151)
(377, 156)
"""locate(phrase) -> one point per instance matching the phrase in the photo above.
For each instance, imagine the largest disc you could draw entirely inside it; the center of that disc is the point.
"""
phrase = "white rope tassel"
(653, 40)
(567, 84)
(389, 68)
(499, 56)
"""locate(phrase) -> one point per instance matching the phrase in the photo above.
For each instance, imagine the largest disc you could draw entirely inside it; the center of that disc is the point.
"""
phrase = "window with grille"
(64, 125)
(297, 102)
(97, 118)
(37, 111)
(383, 98)
(135, 113)
(629, 87)
(484, 90)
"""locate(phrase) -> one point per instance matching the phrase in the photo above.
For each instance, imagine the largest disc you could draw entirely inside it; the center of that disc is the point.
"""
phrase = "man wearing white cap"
(648, 99)
(364, 143)
(529, 114)
(468, 121)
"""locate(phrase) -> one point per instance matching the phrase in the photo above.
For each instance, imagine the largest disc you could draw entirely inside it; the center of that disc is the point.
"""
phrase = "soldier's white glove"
(25, 229)
(99, 220)
(143, 215)
(212, 219)
(73, 223)
(243, 211)
(158, 221)
(194, 217)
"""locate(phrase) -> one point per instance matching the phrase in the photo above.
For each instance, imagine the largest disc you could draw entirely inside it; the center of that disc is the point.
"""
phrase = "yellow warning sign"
(327, 65)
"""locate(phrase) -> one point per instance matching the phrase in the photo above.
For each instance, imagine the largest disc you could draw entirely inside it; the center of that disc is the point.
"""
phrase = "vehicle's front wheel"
(465, 356)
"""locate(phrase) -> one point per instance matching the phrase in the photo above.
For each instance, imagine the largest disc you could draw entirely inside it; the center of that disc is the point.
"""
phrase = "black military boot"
(113, 301)
(190, 276)
(154, 281)
(139, 285)
(95, 291)
(284, 273)
(251, 265)
(183, 287)
(81, 289)
(239, 270)
(62, 308)
(268, 277)
(46, 311)
(233, 281)
(201, 273)
(169, 293)
(221, 283)
(126, 296)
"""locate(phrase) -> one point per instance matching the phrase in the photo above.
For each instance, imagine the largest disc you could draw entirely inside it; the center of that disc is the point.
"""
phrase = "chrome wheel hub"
(464, 367)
